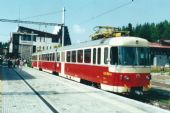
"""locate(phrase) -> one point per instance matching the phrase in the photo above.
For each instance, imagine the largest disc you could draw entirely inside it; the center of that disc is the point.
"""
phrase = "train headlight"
(148, 77)
(126, 77)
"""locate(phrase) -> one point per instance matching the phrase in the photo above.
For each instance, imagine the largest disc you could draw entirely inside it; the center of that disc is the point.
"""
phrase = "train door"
(62, 63)
(38, 61)
(113, 67)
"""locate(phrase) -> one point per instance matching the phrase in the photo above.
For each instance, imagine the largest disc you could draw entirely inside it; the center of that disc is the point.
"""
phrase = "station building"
(26, 41)
(160, 53)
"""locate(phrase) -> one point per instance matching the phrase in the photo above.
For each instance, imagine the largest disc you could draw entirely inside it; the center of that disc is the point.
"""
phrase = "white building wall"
(10, 47)
(43, 43)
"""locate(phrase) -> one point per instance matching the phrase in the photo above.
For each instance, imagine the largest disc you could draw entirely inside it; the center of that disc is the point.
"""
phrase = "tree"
(152, 32)
(130, 29)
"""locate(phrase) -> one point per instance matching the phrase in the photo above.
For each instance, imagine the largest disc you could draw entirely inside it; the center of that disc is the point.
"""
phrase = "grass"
(160, 70)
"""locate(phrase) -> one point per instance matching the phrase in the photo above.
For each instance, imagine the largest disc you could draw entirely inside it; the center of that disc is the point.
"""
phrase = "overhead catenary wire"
(40, 15)
(106, 12)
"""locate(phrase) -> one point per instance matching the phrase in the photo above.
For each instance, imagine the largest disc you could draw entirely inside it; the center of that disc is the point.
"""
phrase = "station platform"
(33, 91)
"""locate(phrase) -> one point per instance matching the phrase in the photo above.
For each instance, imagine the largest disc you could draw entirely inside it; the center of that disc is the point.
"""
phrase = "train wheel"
(55, 73)
(89, 83)
(96, 85)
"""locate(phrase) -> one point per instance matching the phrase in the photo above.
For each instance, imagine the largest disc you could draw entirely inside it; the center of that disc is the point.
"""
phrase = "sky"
(81, 16)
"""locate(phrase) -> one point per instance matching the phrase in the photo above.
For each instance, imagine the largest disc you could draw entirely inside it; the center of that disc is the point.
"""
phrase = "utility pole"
(63, 25)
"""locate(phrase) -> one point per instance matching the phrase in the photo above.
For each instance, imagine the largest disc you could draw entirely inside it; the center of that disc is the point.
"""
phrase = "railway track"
(156, 97)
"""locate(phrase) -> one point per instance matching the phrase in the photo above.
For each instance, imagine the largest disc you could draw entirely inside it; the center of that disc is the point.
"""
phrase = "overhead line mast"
(63, 25)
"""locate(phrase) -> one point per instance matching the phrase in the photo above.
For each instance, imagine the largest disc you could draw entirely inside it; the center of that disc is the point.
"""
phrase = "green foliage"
(150, 31)
(3, 45)
(29, 63)
(160, 70)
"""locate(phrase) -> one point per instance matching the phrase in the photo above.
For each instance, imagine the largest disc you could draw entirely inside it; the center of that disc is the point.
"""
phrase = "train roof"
(45, 51)
(115, 41)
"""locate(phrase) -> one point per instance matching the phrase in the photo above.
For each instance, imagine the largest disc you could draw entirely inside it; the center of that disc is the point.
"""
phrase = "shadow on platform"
(13, 74)
(46, 93)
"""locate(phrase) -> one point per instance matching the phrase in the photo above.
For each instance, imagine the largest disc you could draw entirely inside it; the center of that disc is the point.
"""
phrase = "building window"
(34, 38)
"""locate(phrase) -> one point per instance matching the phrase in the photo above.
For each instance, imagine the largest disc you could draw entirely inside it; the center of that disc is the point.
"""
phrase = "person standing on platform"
(21, 63)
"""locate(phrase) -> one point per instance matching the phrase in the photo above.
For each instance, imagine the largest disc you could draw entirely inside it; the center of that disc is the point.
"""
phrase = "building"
(160, 54)
(4, 51)
(26, 41)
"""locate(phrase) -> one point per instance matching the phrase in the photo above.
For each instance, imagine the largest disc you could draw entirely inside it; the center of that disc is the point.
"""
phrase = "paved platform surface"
(17, 97)
(64, 95)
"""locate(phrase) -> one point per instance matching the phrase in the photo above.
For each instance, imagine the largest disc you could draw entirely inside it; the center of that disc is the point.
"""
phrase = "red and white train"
(114, 64)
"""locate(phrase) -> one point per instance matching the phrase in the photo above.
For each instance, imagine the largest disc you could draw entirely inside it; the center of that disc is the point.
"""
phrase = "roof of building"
(158, 45)
(56, 37)
(22, 29)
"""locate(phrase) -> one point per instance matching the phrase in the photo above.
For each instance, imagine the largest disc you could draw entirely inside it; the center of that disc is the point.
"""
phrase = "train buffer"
(33, 91)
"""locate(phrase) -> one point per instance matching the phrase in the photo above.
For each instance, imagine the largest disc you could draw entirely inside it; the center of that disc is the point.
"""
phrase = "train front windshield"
(138, 56)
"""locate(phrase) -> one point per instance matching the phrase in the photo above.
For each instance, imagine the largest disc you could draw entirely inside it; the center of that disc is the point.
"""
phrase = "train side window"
(94, 56)
(43, 57)
(32, 58)
(114, 55)
(53, 56)
(73, 56)
(68, 56)
(80, 56)
(39, 57)
(46, 57)
(87, 55)
(50, 56)
(99, 56)
(105, 55)
(58, 56)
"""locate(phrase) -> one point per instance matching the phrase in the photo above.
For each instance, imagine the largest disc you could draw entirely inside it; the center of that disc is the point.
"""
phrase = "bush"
(29, 63)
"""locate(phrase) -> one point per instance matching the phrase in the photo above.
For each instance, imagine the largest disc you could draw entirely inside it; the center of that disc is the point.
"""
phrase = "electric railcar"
(114, 64)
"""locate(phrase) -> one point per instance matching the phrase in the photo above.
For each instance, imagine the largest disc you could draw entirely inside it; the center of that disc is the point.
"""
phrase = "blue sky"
(81, 15)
